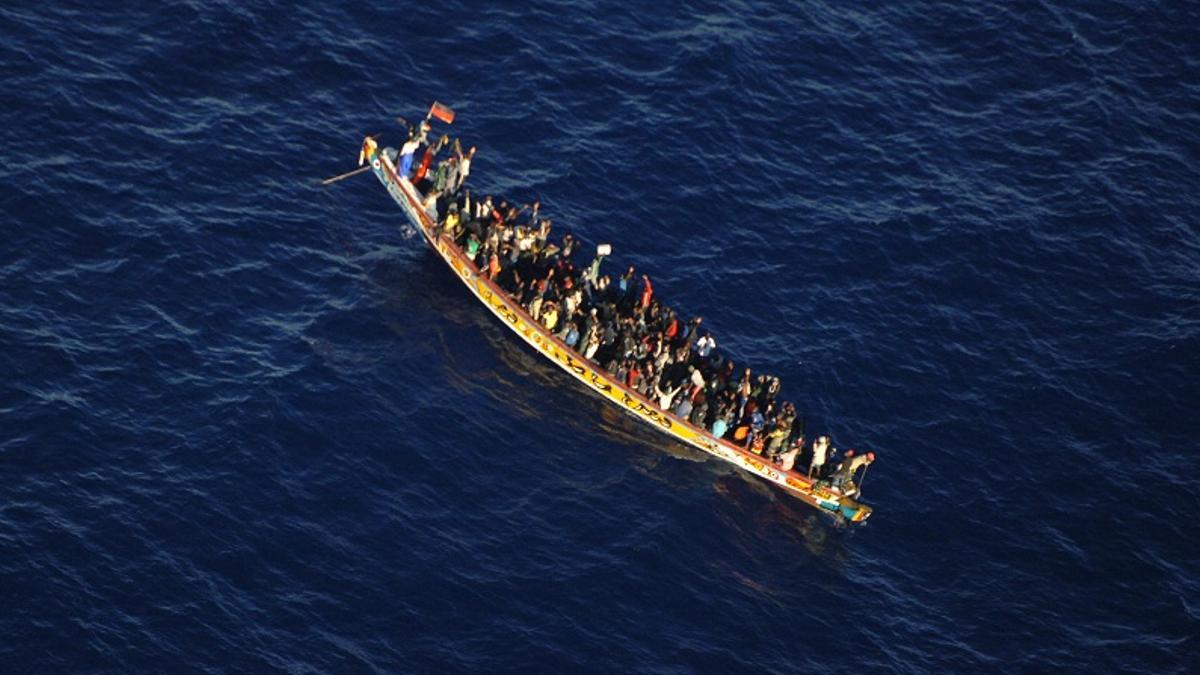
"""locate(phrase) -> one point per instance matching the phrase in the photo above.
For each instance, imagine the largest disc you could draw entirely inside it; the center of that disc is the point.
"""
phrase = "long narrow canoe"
(842, 507)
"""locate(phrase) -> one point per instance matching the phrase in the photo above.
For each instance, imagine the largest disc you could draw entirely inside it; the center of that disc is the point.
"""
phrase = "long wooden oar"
(346, 175)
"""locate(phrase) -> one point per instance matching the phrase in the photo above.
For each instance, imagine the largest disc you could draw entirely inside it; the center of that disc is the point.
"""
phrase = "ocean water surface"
(248, 423)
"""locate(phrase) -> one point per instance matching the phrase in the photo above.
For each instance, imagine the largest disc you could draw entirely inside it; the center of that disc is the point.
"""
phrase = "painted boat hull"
(842, 508)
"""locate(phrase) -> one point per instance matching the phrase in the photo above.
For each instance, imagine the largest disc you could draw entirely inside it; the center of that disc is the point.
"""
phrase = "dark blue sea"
(250, 424)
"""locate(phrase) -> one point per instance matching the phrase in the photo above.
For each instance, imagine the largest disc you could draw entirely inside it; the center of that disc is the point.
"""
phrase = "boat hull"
(843, 508)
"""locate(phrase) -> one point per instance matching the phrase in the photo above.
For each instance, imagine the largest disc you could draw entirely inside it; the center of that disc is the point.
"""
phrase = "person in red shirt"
(672, 326)
(431, 151)
(631, 380)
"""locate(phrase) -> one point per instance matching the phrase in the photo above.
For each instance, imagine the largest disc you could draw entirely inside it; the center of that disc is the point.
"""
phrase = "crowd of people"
(618, 324)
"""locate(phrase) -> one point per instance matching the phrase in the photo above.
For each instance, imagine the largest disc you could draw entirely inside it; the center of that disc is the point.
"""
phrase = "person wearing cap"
(852, 464)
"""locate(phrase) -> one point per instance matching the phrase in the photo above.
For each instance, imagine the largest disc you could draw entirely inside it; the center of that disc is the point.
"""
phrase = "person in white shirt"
(406, 156)
(464, 166)
(820, 450)
(705, 345)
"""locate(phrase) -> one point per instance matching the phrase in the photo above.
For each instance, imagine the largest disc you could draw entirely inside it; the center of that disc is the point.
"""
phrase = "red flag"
(441, 112)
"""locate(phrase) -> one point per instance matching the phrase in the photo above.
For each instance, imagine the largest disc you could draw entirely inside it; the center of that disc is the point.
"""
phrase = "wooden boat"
(842, 507)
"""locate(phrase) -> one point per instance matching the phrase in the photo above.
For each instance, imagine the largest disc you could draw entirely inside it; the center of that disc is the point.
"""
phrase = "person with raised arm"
(464, 165)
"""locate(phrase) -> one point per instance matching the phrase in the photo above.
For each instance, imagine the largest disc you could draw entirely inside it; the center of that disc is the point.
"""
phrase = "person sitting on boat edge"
(787, 460)
(591, 345)
(720, 425)
(683, 409)
(699, 410)
(472, 248)
(493, 268)
(571, 339)
(549, 316)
